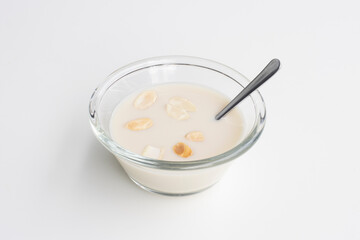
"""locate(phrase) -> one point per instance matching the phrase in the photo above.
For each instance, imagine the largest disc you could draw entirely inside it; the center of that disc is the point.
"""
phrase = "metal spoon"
(264, 75)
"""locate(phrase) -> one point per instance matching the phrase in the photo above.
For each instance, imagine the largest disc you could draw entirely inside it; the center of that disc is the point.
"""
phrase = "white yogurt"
(219, 136)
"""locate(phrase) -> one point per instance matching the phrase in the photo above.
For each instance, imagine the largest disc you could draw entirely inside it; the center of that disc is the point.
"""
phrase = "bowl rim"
(120, 152)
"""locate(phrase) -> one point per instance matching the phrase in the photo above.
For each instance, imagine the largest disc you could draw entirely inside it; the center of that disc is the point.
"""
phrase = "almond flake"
(139, 124)
(145, 99)
(195, 136)
(153, 152)
(182, 103)
(176, 112)
(182, 150)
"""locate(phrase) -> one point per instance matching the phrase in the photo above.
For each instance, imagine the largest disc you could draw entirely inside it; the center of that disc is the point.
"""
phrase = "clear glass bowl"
(174, 177)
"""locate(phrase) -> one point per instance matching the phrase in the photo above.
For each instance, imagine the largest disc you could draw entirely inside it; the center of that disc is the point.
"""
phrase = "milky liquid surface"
(219, 136)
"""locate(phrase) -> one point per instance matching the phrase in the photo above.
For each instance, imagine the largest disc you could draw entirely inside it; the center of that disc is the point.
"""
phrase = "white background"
(300, 181)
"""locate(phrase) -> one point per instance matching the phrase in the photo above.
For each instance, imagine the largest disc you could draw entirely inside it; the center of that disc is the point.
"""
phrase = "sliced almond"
(139, 124)
(153, 152)
(195, 136)
(182, 150)
(145, 100)
(182, 103)
(177, 112)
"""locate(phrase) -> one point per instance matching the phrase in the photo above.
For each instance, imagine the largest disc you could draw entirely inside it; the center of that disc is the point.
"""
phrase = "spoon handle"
(264, 75)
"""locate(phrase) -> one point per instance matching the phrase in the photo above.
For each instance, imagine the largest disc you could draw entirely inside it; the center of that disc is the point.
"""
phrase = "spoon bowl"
(174, 177)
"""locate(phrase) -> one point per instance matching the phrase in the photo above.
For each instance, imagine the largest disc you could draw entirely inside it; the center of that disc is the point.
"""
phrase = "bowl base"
(167, 193)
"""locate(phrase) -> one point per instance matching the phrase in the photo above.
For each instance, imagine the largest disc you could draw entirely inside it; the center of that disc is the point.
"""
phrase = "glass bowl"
(174, 177)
